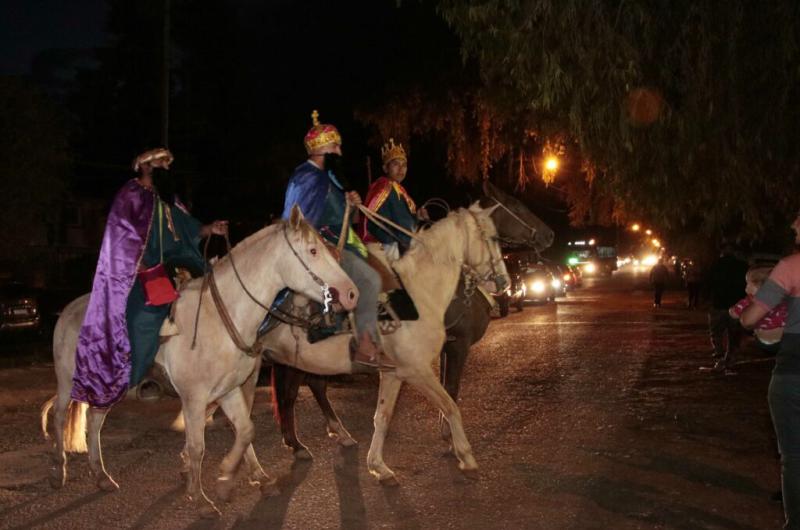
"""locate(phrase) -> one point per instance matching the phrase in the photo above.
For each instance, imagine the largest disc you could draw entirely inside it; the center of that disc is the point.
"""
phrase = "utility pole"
(165, 78)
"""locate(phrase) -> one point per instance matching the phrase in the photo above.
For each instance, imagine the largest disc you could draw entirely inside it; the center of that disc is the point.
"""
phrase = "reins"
(382, 221)
(209, 280)
(515, 216)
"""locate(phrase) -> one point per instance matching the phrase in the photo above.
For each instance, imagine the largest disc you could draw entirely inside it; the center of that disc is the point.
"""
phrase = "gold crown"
(321, 134)
(391, 151)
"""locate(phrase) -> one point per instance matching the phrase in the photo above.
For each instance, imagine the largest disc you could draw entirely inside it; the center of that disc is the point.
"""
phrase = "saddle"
(394, 306)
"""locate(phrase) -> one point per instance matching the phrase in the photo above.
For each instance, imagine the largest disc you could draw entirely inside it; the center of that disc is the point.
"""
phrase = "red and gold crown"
(321, 134)
(392, 151)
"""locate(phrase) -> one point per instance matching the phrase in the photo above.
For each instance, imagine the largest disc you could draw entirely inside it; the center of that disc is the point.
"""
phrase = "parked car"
(539, 284)
(19, 308)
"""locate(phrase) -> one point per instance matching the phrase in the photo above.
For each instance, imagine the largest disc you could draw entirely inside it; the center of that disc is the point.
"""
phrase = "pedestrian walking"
(726, 282)
(694, 284)
(783, 285)
(659, 275)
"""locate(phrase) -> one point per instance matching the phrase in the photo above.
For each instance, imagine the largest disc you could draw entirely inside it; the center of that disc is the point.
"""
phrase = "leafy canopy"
(685, 110)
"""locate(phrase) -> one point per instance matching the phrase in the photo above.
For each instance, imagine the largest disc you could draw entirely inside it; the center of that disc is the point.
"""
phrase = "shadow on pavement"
(154, 511)
(352, 512)
(270, 512)
(74, 505)
(401, 509)
(693, 471)
(629, 499)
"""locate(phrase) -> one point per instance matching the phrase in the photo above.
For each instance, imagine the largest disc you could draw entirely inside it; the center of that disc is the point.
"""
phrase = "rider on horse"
(119, 336)
(323, 199)
(389, 198)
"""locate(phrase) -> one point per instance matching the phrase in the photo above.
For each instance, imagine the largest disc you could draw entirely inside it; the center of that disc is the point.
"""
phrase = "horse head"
(483, 254)
(311, 268)
(516, 224)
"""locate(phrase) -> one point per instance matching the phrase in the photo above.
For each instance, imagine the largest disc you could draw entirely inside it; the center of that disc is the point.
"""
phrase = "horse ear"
(490, 210)
(296, 217)
(476, 208)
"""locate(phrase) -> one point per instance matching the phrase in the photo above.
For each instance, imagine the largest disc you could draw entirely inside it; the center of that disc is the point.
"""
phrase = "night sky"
(242, 97)
(28, 27)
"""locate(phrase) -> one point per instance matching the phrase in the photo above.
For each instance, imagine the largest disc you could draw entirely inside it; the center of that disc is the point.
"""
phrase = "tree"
(685, 111)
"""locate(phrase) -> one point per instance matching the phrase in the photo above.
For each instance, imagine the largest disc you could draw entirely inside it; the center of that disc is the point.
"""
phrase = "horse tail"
(274, 382)
(75, 428)
(45, 409)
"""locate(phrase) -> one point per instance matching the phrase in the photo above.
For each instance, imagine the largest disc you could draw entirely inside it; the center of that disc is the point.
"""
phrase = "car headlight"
(590, 268)
(556, 284)
(537, 286)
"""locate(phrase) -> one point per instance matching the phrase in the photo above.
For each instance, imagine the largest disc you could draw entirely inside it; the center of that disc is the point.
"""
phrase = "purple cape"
(102, 361)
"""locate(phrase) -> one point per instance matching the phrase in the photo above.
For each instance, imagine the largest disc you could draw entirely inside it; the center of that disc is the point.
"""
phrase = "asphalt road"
(589, 413)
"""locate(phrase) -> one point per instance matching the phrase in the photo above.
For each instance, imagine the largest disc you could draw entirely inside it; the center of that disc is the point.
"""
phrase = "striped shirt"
(783, 285)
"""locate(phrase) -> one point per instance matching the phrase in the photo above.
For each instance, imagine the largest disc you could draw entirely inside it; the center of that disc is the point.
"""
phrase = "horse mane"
(438, 236)
(256, 238)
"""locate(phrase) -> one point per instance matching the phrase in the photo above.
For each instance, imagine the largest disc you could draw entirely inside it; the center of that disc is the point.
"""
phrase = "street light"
(635, 227)
(648, 232)
(549, 168)
(656, 243)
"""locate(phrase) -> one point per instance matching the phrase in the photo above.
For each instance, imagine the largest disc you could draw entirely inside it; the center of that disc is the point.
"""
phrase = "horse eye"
(313, 251)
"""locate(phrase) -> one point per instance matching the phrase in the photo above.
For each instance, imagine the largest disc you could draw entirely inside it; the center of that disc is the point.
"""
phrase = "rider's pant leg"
(368, 282)
(144, 323)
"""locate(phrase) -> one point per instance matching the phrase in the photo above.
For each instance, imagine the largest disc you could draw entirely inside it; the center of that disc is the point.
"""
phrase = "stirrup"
(149, 398)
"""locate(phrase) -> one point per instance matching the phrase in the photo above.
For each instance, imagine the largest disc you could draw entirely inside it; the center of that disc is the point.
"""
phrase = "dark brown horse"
(467, 318)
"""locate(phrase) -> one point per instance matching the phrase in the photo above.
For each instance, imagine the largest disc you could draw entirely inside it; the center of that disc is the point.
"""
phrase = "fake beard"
(333, 163)
(165, 185)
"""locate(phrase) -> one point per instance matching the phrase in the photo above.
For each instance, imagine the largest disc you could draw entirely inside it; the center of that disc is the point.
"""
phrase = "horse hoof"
(303, 454)
(107, 483)
(224, 489)
(269, 488)
(390, 481)
(471, 474)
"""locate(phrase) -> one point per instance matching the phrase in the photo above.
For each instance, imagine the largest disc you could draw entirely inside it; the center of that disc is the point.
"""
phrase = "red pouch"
(158, 290)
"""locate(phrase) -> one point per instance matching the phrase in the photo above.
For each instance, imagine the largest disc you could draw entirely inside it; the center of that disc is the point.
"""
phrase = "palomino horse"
(466, 319)
(288, 254)
(430, 270)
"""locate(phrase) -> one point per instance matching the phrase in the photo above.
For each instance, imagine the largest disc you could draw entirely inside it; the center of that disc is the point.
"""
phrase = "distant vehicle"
(576, 274)
(592, 258)
(539, 284)
(19, 308)
(564, 277)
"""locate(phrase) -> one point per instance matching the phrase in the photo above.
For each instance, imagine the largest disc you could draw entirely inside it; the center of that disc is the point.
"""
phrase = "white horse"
(430, 271)
(288, 254)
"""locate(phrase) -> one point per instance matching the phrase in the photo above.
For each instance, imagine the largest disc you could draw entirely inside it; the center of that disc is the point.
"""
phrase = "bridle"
(327, 297)
(516, 218)
(494, 273)
(209, 280)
